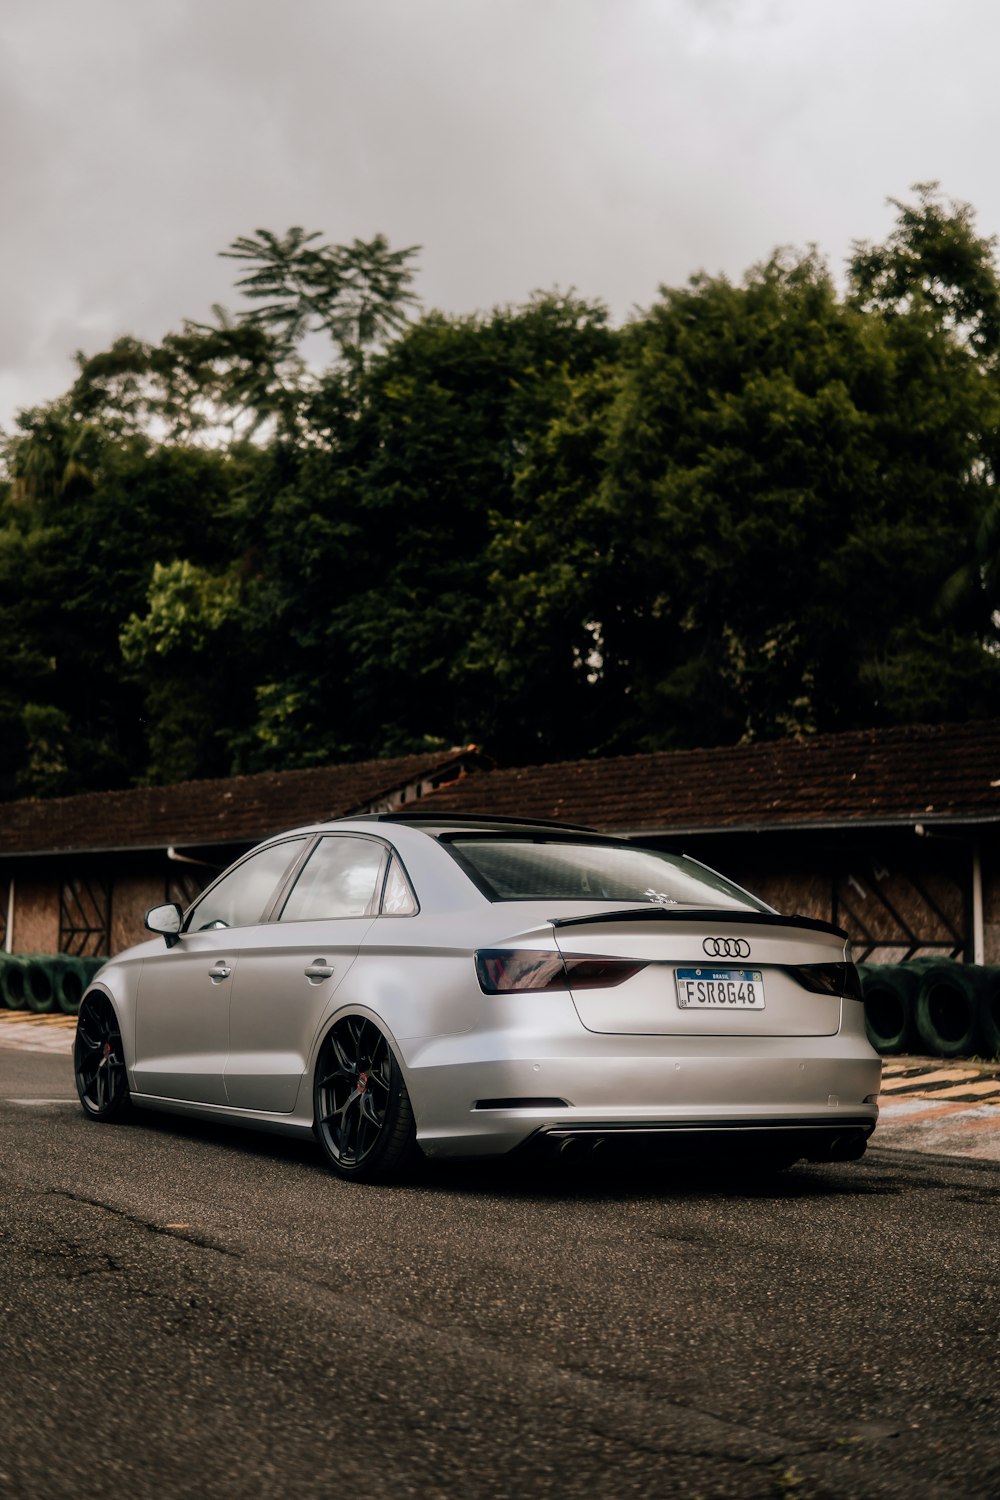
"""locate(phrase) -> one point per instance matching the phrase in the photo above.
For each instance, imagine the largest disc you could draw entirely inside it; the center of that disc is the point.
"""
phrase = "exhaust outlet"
(848, 1146)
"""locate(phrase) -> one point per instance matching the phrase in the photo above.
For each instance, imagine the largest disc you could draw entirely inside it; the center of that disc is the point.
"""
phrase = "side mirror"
(166, 920)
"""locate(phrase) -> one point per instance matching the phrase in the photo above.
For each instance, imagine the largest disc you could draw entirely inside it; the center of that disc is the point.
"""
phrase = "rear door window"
(341, 878)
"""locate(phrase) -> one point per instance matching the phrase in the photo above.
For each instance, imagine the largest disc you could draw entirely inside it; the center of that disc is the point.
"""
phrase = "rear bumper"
(469, 1105)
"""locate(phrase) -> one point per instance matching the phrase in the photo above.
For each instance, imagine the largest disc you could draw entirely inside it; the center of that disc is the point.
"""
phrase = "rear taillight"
(511, 971)
(505, 972)
(599, 973)
(829, 979)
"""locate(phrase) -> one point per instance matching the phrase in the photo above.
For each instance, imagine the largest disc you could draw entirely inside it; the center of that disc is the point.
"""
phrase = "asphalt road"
(197, 1311)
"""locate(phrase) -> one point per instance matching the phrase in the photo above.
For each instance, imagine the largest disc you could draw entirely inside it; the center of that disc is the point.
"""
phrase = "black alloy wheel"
(362, 1110)
(99, 1060)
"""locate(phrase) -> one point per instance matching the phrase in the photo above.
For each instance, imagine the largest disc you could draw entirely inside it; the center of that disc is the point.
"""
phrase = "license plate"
(720, 989)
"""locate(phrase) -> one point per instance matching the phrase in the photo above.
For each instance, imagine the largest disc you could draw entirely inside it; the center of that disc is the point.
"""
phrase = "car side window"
(339, 879)
(241, 897)
(398, 899)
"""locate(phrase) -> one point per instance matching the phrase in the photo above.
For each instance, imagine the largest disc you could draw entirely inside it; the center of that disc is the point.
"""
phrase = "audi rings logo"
(726, 947)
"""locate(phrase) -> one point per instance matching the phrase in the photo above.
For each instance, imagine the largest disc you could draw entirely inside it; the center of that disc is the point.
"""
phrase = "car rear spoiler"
(712, 914)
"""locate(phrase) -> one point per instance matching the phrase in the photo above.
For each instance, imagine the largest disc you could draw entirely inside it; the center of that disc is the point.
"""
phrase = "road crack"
(200, 1241)
(69, 1261)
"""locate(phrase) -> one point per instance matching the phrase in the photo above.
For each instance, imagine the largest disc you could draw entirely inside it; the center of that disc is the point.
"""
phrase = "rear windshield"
(517, 869)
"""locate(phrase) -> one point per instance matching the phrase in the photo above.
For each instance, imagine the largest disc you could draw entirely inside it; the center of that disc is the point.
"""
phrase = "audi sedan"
(406, 983)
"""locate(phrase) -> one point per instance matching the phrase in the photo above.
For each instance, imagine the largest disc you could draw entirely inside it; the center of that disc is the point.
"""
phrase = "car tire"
(361, 1111)
(99, 1060)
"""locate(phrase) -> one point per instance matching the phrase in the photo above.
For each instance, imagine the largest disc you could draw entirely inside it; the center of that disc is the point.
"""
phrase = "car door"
(289, 970)
(184, 993)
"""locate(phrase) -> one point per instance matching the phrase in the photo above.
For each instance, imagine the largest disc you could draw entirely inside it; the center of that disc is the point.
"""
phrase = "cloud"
(610, 145)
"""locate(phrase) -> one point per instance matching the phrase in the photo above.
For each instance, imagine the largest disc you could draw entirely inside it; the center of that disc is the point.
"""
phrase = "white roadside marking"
(937, 1075)
(947, 1129)
(38, 1034)
(32, 1103)
(28, 1044)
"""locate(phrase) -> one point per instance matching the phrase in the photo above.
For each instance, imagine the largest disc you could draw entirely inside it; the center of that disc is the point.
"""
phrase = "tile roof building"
(77, 873)
(932, 775)
(893, 833)
(216, 814)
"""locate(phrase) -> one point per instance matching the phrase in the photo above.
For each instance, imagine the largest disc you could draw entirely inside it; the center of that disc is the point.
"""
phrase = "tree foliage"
(358, 294)
(933, 263)
(757, 509)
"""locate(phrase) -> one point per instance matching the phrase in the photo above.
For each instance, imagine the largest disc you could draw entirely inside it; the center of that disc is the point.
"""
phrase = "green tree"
(933, 262)
(376, 542)
(245, 376)
(936, 282)
(83, 518)
(358, 294)
(211, 384)
(736, 532)
(758, 509)
(153, 460)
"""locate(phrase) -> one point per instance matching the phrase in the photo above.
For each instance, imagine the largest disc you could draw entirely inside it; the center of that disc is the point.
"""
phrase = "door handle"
(219, 971)
(317, 971)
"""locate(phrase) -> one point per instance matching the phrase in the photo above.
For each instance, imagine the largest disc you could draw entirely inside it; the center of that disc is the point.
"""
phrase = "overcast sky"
(606, 145)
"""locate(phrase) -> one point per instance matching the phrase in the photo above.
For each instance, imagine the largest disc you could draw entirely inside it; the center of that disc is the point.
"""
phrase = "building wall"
(870, 890)
(131, 897)
(875, 894)
(897, 894)
(884, 904)
(95, 904)
(36, 915)
(805, 892)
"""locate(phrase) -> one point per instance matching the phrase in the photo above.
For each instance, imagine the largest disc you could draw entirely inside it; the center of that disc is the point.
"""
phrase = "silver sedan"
(402, 983)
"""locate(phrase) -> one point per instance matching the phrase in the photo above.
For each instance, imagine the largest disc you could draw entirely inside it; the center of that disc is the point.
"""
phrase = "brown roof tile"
(927, 773)
(242, 809)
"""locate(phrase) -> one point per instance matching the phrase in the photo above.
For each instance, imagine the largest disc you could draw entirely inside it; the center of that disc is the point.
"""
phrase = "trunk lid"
(743, 954)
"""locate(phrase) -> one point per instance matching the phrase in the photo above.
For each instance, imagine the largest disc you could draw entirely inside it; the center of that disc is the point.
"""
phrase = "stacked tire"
(12, 966)
(70, 977)
(932, 1006)
(890, 994)
(43, 983)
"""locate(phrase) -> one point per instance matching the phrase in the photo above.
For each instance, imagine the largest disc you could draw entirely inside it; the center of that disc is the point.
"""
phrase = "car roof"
(475, 822)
